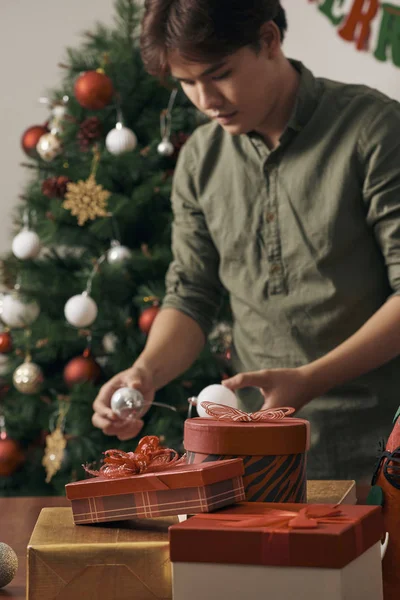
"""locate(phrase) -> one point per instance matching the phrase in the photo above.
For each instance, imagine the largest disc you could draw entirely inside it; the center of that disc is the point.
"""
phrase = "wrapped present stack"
(128, 528)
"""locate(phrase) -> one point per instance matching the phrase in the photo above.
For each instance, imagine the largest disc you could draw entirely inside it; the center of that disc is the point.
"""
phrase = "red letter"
(359, 20)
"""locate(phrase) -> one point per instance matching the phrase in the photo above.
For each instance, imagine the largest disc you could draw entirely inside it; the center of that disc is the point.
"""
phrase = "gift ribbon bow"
(309, 517)
(149, 457)
(222, 412)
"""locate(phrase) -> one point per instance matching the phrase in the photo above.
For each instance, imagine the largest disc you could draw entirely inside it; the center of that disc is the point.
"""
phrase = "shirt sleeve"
(381, 150)
(192, 281)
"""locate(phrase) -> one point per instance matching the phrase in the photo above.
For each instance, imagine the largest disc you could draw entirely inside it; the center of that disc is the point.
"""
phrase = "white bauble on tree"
(26, 244)
(16, 313)
(80, 310)
(120, 140)
(215, 393)
(48, 147)
(117, 254)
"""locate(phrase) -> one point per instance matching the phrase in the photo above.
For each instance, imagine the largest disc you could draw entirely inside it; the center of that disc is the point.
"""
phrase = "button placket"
(273, 241)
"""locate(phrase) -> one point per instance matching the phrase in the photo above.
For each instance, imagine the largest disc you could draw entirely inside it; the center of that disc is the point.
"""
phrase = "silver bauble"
(28, 378)
(165, 147)
(117, 254)
(127, 403)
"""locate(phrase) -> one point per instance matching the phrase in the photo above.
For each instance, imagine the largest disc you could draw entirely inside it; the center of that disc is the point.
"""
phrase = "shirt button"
(275, 268)
(270, 217)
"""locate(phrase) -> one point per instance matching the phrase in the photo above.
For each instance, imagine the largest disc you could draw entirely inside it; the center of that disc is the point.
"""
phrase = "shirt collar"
(307, 98)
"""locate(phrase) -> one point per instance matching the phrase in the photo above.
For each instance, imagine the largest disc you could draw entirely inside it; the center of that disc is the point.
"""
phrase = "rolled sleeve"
(381, 151)
(192, 282)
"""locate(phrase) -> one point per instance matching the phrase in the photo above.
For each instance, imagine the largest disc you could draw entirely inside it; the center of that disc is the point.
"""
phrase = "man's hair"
(203, 30)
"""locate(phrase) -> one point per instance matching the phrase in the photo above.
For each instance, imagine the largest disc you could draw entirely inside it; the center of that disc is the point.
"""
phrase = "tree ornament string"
(165, 147)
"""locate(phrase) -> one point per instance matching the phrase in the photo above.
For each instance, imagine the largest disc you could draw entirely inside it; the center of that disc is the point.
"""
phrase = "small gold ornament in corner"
(87, 200)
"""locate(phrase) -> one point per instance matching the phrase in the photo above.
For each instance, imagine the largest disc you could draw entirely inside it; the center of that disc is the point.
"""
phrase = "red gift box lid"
(239, 535)
(211, 436)
(184, 476)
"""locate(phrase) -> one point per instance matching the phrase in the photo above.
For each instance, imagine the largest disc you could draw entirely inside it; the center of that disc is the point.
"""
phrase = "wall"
(33, 38)
(35, 33)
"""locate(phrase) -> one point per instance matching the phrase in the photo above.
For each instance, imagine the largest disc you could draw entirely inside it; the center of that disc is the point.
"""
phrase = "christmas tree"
(85, 277)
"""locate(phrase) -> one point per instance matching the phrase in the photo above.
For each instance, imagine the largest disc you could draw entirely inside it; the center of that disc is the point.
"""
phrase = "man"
(290, 200)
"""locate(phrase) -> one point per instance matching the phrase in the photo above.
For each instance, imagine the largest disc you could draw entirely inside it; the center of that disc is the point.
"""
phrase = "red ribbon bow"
(149, 457)
(222, 412)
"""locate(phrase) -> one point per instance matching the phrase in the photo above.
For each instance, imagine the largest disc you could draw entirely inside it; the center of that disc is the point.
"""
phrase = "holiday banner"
(347, 40)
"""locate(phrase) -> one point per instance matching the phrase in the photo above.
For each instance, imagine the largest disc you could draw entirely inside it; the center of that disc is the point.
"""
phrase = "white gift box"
(257, 551)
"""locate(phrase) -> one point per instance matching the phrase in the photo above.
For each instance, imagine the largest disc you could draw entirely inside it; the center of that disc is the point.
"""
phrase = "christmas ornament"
(58, 113)
(11, 455)
(30, 138)
(93, 90)
(86, 200)
(165, 147)
(120, 140)
(90, 130)
(26, 244)
(15, 312)
(110, 341)
(28, 377)
(55, 187)
(213, 393)
(81, 369)
(56, 443)
(4, 365)
(5, 342)
(117, 254)
(49, 146)
(147, 317)
(129, 403)
(8, 564)
(81, 310)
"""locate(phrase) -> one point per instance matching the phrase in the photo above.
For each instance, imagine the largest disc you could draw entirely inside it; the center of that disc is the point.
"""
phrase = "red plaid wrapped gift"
(185, 489)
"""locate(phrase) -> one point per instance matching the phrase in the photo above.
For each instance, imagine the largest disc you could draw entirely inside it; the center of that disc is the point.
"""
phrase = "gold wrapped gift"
(113, 561)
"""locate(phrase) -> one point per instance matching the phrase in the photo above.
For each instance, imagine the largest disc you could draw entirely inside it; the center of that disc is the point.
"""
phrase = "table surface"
(17, 520)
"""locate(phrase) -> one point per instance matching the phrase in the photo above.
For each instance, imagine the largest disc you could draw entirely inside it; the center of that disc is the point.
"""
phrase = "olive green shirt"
(305, 238)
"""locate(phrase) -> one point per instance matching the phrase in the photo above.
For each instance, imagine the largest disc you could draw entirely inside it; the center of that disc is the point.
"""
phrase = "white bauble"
(15, 313)
(26, 244)
(165, 147)
(117, 253)
(215, 393)
(120, 140)
(110, 341)
(80, 310)
(48, 147)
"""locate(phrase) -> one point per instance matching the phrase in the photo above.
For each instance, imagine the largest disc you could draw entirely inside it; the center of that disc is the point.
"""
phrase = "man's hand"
(137, 377)
(280, 387)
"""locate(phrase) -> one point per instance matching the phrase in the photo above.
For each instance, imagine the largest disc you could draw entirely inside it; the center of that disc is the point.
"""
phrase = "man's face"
(239, 91)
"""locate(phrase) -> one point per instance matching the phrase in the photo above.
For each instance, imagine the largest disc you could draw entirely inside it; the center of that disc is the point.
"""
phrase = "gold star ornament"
(86, 200)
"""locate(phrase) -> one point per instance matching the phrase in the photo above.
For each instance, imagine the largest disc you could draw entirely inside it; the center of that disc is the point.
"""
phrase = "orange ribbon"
(149, 457)
(222, 412)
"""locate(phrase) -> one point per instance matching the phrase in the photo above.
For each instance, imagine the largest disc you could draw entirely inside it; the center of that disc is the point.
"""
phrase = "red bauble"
(30, 138)
(147, 317)
(93, 90)
(81, 369)
(11, 456)
(5, 342)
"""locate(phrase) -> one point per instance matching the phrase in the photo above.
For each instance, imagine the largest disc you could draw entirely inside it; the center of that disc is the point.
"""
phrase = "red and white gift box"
(279, 551)
(188, 489)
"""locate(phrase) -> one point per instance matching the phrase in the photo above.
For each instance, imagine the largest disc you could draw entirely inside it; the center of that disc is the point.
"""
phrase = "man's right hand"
(137, 377)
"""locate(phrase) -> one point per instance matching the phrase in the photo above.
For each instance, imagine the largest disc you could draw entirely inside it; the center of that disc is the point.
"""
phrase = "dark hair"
(203, 30)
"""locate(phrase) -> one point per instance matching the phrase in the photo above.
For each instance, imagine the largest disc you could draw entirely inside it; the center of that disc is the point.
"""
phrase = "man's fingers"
(108, 427)
(101, 405)
(242, 380)
(130, 431)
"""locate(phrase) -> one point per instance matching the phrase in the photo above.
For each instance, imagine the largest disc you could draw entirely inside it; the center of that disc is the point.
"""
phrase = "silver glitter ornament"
(165, 147)
(127, 403)
(28, 378)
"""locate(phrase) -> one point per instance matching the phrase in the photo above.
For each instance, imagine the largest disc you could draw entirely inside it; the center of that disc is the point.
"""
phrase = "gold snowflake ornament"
(86, 200)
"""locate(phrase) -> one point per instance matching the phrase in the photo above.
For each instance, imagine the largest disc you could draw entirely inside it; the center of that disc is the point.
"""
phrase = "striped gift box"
(188, 489)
